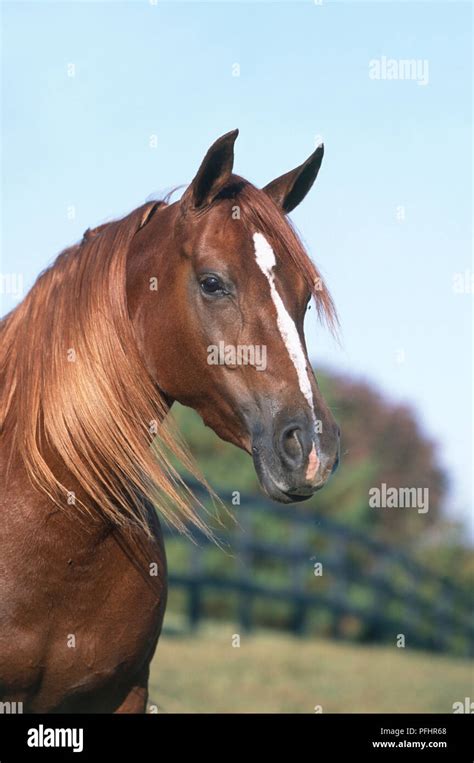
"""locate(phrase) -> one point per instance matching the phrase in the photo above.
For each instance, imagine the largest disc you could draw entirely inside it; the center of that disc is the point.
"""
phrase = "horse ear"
(214, 172)
(288, 190)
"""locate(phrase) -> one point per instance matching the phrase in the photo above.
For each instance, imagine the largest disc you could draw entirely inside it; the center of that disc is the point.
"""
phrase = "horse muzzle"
(292, 459)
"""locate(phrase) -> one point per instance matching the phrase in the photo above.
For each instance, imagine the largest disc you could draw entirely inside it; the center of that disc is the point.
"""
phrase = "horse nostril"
(292, 447)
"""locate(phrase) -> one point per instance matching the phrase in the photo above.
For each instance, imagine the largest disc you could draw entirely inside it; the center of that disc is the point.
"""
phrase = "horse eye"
(211, 285)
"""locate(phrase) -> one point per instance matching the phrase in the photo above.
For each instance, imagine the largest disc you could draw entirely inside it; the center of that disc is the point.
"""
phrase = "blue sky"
(76, 151)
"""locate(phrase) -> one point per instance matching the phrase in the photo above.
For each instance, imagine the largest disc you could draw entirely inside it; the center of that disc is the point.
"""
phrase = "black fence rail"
(330, 578)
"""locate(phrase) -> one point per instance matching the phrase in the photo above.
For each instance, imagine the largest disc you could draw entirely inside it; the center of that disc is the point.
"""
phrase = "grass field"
(281, 674)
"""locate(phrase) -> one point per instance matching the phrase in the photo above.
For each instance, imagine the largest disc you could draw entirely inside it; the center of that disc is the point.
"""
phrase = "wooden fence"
(356, 586)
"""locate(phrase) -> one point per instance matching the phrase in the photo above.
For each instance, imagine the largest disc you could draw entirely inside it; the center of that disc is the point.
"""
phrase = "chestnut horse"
(91, 361)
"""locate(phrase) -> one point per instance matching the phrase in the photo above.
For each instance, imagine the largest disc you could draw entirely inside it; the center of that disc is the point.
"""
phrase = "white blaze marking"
(266, 261)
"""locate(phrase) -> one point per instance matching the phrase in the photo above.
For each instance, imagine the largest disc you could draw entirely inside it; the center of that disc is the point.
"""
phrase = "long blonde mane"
(73, 386)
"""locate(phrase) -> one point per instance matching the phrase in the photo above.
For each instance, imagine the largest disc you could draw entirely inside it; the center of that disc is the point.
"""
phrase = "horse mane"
(259, 212)
(74, 386)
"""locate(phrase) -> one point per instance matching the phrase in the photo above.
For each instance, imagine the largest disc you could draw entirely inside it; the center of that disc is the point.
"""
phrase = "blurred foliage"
(381, 442)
